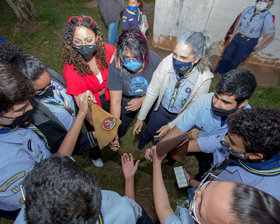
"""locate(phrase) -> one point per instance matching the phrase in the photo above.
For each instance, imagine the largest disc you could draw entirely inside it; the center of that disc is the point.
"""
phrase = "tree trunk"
(24, 9)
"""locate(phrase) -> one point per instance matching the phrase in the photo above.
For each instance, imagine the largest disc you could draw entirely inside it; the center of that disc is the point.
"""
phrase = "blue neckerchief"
(5, 129)
(270, 167)
(223, 121)
(100, 218)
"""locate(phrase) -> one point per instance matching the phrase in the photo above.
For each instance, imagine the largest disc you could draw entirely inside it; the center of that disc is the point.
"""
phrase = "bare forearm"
(161, 200)
(129, 188)
(173, 133)
(69, 142)
(115, 109)
(266, 38)
(193, 146)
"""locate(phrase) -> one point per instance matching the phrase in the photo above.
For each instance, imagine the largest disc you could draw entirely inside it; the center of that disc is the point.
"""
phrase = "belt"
(246, 38)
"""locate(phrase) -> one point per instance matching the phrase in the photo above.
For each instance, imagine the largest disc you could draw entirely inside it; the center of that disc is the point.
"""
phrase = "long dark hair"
(70, 56)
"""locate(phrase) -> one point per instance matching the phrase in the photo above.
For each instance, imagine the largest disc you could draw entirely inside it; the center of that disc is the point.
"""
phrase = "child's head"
(134, 4)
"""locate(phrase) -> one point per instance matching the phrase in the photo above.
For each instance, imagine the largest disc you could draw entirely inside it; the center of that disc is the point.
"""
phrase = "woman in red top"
(86, 58)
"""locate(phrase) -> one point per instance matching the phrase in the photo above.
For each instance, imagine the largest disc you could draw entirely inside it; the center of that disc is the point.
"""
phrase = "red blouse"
(77, 84)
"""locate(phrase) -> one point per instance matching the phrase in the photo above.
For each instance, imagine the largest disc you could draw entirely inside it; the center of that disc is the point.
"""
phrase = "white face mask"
(260, 6)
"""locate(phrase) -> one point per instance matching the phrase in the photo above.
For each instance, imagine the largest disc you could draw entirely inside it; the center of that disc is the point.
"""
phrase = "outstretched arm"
(161, 200)
(129, 170)
(67, 146)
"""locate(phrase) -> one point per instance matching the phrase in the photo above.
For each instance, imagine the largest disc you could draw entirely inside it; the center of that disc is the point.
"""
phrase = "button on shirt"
(262, 22)
(211, 127)
(175, 103)
(20, 150)
(59, 111)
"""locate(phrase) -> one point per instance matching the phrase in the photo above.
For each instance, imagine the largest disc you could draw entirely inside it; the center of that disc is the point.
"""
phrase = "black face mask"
(20, 120)
(86, 51)
(46, 92)
(221, 112)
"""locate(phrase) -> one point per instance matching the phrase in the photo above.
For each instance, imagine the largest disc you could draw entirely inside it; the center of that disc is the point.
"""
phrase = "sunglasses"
(86, 20)
(202, 184)
(227, 148)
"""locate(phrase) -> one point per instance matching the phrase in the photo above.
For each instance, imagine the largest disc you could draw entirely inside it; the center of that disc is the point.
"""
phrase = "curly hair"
(70, 55)
(252, 206)
(9, 52)
(259, 128)
(58, 190)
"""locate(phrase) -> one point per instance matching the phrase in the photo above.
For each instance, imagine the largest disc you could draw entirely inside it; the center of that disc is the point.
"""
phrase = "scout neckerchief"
(39, 133)
(261, 171)
(180, 80)
(137, 13)
(50, 100)
(251, 19)
(100, 219)
(5, 129)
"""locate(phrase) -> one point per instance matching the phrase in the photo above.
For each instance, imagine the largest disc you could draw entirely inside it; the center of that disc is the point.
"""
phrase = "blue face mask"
(132, 65)
(132, 8)
(181, 67)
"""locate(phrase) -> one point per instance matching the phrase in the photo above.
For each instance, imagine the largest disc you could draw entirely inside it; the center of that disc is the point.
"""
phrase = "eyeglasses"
(202, 184)
(86, 20)
(226, 147)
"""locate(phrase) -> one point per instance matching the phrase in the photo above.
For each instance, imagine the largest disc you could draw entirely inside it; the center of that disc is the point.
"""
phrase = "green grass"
(42, 39)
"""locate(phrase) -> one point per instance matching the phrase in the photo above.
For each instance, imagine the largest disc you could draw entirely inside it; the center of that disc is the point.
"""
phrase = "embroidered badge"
(109, 123)
(59, 87)
(188, 90)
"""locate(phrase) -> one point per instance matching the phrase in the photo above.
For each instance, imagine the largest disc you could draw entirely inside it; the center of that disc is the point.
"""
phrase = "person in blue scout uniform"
(251, 150)
(254, 21)
(214, 201)
(74, 196)
(178, 80)
(209, 112)
(132, 16)
(54, 110)
(21, 147)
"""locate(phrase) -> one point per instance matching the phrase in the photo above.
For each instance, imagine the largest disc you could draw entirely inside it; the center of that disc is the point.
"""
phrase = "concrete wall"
(215, 16)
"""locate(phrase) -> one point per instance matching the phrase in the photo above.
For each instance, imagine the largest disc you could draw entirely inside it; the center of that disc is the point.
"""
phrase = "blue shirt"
(264, 175)
(59, 111)
(131, 20)
(211, 127)
(20, 150)
(114, 209)
(262, 22)
(175, 103)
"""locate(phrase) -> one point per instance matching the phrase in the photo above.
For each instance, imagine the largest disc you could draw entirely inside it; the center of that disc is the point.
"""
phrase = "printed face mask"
(132, 65)
(260, 6)
(86, 50)
(181, 67)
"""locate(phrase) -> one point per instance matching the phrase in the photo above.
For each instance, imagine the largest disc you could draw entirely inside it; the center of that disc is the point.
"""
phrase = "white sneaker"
(97, 162)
